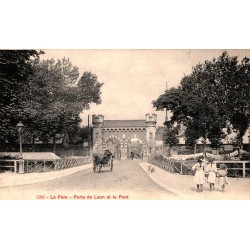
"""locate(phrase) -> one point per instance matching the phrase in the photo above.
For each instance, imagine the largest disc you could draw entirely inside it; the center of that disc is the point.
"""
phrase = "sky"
(134, 78)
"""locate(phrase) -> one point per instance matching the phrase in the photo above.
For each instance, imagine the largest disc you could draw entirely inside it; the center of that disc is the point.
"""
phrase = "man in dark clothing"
(132, 155)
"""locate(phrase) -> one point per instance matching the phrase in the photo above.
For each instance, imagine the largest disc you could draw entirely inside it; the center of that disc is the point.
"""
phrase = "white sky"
(134, 78)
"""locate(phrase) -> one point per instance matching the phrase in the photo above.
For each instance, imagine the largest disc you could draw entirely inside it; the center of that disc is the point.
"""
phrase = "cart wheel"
(96, 169)
(99, 168)
(111, 166)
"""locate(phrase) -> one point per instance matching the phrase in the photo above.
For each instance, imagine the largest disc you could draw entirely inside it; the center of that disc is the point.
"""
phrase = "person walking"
(132, 155)
(199, 177)
(211, 171)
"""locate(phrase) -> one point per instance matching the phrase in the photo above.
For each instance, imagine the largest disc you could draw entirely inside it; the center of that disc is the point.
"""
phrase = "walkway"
(184, 187)
(130, 179)
(127, 181)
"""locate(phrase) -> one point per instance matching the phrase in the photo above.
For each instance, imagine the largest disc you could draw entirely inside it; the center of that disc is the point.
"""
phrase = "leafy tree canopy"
(55, 98)
(214, 96)
(46, 95)
(15, 68)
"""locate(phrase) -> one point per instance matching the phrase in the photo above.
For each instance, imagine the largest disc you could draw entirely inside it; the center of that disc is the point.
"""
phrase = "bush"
(158, 157)
(245, 157)
(6, 156)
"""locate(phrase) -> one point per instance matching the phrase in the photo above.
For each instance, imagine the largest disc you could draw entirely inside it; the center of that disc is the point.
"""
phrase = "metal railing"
(235, 168)
(54, 165)
(46, 165)
(11, 163)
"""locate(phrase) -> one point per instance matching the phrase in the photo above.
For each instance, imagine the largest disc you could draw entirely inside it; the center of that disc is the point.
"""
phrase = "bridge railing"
(235, 168)
(54, 165)
(45, 165)
(11, 163)
(174, 166)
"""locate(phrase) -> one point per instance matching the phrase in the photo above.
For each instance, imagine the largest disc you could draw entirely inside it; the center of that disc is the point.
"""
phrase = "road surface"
(128, 181)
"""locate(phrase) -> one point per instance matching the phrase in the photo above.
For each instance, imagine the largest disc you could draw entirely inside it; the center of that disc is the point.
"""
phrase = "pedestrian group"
(207, 172)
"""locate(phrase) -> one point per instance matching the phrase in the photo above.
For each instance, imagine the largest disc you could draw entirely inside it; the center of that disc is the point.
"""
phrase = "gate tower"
(117, 135)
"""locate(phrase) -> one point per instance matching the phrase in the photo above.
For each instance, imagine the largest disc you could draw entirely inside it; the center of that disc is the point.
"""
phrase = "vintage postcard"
(124, 124)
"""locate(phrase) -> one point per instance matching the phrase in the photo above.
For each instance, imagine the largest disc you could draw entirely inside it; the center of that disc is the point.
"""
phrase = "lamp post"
(21, 163)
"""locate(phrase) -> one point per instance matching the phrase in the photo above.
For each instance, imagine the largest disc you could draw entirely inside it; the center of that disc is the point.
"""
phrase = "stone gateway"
(124, 137)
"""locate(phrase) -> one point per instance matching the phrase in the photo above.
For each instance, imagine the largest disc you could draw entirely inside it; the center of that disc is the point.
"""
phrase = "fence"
(4, 163)
(36, 166)
(235, 168)
(182, 167)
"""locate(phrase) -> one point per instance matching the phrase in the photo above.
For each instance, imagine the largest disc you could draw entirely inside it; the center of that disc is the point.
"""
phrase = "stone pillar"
(151, 120)
(97, 121)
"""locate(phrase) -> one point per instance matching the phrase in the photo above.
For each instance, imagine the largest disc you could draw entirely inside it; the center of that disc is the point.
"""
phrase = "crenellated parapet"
(151, 120)
(97, 120)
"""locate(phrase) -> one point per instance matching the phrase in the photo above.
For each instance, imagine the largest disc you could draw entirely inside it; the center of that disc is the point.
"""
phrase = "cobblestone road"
(127, 181)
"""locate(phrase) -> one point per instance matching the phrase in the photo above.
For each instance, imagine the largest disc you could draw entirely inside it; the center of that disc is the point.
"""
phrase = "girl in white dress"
(199, 178)
(211, 170)
(222, 174)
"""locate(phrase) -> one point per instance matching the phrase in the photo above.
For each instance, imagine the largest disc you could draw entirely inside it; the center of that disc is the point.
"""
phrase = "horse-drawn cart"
(100, 161)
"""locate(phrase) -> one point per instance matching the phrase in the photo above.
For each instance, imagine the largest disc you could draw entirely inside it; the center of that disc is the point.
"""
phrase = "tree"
(43, 102)
(55, 98)
(190, 107)
(81, 134)
(89, 90)
(192, 134)
(237, 99)
(170, 137)
(214, 96)
(15, 67)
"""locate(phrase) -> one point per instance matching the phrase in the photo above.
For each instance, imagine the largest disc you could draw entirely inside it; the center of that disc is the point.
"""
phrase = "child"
(205, 167)
(222, 174)
(199, 177)
(211, 171)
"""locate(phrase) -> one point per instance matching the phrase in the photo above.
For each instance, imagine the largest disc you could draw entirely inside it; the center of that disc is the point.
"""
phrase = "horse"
(105, 160)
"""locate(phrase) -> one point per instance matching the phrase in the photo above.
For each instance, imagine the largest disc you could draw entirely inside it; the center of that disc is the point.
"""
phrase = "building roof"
(123, 123)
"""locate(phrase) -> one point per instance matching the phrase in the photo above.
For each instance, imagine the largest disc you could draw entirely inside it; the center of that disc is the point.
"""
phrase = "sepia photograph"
(125, 124)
